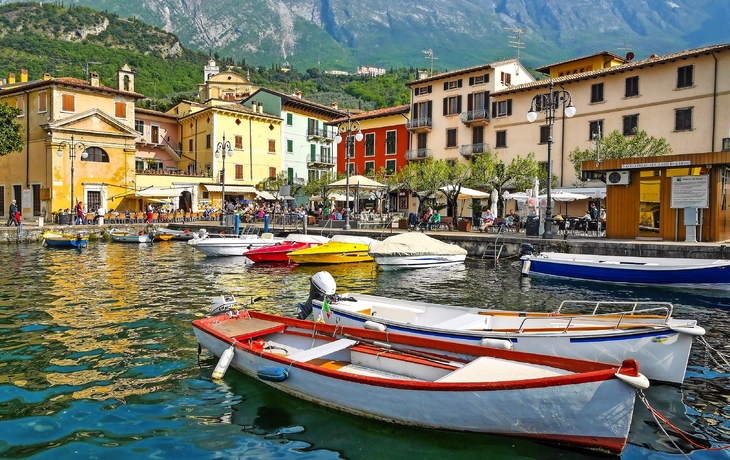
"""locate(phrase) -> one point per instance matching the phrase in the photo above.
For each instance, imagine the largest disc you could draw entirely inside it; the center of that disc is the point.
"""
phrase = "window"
(96, 154)
(685, 76)
(389, 167)
(289, 146)
(289, 119)
(272, 145)
(238, 142)
(683, 119)
(351, 168)
(2, 200)
(631, 124)
(390, 137)
(501, 139)
(422, 111)
(423, 90)
(632, 86)
(139, 126)
(37, 199)
(155, 134)
(479, 79)
(452, 105)
(369, 167)
(544, 134)
(120, 109)
(370, 145)
(190, 146)
(452, 84)
(290, 176)
(477, 135)
(207, 141)
(502, 108)
(596, 93)
(239, 171)
(421, 140)
(272, 172)
(93, 199)
(505, 78)
(42, 101)
(479, 101)
(594, 129)
(68, 103)
(20, 104)
(451, 137)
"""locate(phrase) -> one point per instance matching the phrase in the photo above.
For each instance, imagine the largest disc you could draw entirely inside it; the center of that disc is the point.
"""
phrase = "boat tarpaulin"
(413, 244)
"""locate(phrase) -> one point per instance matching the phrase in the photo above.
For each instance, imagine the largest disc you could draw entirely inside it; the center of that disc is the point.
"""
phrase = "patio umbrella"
(493, 199)
(567, 197)
(362, 182)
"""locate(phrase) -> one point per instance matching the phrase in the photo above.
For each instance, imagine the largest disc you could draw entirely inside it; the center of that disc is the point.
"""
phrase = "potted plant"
(477, 208)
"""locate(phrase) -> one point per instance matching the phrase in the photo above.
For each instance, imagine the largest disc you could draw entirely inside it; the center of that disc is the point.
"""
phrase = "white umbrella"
(567, 197)
(358, 181)
(465, 193)
(494, 198)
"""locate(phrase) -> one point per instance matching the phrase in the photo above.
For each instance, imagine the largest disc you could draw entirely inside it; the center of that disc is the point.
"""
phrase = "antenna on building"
(516, 41)
(86, 70)
(624, 47)
(429, 55)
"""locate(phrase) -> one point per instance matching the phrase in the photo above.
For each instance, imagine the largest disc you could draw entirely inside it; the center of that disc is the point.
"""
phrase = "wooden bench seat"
(446, 223)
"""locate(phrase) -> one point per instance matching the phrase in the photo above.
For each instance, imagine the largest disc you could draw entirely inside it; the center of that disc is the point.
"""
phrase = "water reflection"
(97, 356)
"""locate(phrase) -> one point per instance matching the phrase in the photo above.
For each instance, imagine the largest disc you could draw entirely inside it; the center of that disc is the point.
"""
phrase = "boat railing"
(617, 307)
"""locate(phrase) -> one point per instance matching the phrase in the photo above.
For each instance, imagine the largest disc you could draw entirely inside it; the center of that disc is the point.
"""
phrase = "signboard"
(690, 192)
(661, 164)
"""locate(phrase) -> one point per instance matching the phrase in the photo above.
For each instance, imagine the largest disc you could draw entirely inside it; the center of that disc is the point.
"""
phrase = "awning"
(265, 195)
(230, 188)
(161, 192)
(331, 197)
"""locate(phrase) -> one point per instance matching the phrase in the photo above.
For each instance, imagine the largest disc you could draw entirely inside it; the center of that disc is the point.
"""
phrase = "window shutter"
(486, 78)
(458, 102)
(458, 85)
(429, 89)
(446, 85)
(471, 81)
(509, 106)
(446, 105)
(469, 102)
(494, 110)
(430, 109)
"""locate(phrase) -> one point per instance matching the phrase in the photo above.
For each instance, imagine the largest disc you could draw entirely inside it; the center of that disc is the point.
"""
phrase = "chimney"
(336, 106)
(23, 75)
(94, 79)
(298, 94)
(261, 107)
(11, 78)
(46, 76)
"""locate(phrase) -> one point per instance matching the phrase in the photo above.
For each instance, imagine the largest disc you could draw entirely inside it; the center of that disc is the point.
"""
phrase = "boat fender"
(692, 330)
(526, 266)
(223, 363)
(272, 374)
(496, 343)
(629, 373)
(373, 326)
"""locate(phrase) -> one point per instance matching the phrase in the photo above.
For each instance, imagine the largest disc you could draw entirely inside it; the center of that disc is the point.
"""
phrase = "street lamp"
(550, 103)
(223, 148)
(347, 128)
(72, 146)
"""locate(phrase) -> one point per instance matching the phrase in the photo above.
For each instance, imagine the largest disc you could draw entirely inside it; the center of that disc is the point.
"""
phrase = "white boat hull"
(389, 263)
(224, 246)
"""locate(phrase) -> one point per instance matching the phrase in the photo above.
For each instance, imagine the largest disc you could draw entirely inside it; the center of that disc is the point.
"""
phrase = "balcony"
(320, 161)
(473, 149)
(323, 134)
(473, 117)
(418, 154)
(419, 124)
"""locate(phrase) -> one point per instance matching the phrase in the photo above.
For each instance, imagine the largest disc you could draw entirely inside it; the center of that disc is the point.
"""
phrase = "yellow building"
(92, 127)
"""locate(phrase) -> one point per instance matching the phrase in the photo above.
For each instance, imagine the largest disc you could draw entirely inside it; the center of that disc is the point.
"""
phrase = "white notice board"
(691, 191)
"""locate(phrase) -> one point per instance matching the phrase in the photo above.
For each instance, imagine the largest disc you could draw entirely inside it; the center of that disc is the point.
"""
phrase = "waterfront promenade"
(477, 244)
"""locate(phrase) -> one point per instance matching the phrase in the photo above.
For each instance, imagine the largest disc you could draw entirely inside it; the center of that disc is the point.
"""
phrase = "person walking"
(11, 214)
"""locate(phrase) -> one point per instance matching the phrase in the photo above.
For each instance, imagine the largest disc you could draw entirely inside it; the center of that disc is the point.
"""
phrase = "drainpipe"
(250, 147)
(714, 104)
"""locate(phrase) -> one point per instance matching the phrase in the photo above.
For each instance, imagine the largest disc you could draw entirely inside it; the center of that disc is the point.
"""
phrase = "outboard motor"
(321, 285)
(526, 249)
(223, 304)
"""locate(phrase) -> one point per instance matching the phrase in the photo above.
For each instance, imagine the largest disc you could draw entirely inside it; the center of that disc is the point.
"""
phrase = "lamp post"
(347, 128)
(550, 103)
(72, 146)
(224, 149)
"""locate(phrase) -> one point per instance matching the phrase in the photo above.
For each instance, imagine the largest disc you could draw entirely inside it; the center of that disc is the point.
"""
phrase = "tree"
(423, 179)
(616, 145)
(319, 187)
(11, 137)
(385, 177)
(455, 176)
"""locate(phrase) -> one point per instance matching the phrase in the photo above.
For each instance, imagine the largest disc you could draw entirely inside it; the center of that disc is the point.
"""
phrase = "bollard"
(266, 223)
(237, 224)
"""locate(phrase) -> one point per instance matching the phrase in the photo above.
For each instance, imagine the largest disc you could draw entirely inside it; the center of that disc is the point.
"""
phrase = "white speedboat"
(229, 245)
(415, 250)
(598, 331)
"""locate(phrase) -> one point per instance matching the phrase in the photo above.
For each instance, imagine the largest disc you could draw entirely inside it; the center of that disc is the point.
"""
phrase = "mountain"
(341, 34)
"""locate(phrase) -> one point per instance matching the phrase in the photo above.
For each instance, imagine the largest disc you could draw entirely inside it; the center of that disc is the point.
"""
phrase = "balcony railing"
(473, 149)
(419, 123)
(325, 133)
(418, 154)
(321, 161)
(171, 172)
(475, 116)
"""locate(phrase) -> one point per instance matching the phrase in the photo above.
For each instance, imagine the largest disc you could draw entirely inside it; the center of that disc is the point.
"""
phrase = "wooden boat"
(278, 252)
(429, 383)
(168, 234)
(128, 236)
(415, 250)
(64, 240)
(229, 245)
(650, 271)
(598, 331)
(340, 250)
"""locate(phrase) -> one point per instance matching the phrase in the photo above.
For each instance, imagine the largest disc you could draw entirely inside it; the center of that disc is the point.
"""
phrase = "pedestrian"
(11, 214)
(80, 215)
(149, 213)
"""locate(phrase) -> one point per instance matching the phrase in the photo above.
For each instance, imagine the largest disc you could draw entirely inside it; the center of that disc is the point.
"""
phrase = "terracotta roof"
(384, 112)
(615, 69)
(68, 81)
(295, 100)
(601, 53)
(454, 73)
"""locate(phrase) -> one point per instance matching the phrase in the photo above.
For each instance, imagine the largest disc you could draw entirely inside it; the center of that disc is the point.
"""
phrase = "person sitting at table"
(434, 221)
(513, 220)
(487, 221)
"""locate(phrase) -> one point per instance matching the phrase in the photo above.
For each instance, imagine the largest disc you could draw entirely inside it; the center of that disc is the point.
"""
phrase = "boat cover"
(311, 239)
(413, 244)
(353, 239)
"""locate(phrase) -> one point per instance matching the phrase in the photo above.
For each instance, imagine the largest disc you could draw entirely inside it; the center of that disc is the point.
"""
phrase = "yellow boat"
(341, 249)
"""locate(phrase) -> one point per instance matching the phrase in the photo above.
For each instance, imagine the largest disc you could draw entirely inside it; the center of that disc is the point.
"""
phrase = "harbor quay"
(477, 244)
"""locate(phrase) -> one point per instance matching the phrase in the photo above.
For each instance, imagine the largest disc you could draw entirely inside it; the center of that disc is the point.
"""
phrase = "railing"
(417, 123)
(418, 154)
(159, 172)
(474, 115)
(321, 133)
(473, 149)
(321, 159)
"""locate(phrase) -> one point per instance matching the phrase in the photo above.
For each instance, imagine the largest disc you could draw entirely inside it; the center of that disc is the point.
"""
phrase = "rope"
(719, 353)
(658, 416)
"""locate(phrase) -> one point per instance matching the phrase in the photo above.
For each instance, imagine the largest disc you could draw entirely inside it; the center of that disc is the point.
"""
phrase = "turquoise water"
(98, 360)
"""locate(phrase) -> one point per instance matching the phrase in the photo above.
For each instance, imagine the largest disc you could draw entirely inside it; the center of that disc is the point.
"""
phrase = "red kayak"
(278, 252)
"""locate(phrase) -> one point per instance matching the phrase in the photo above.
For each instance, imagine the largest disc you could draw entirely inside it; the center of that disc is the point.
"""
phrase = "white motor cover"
(324, 282)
